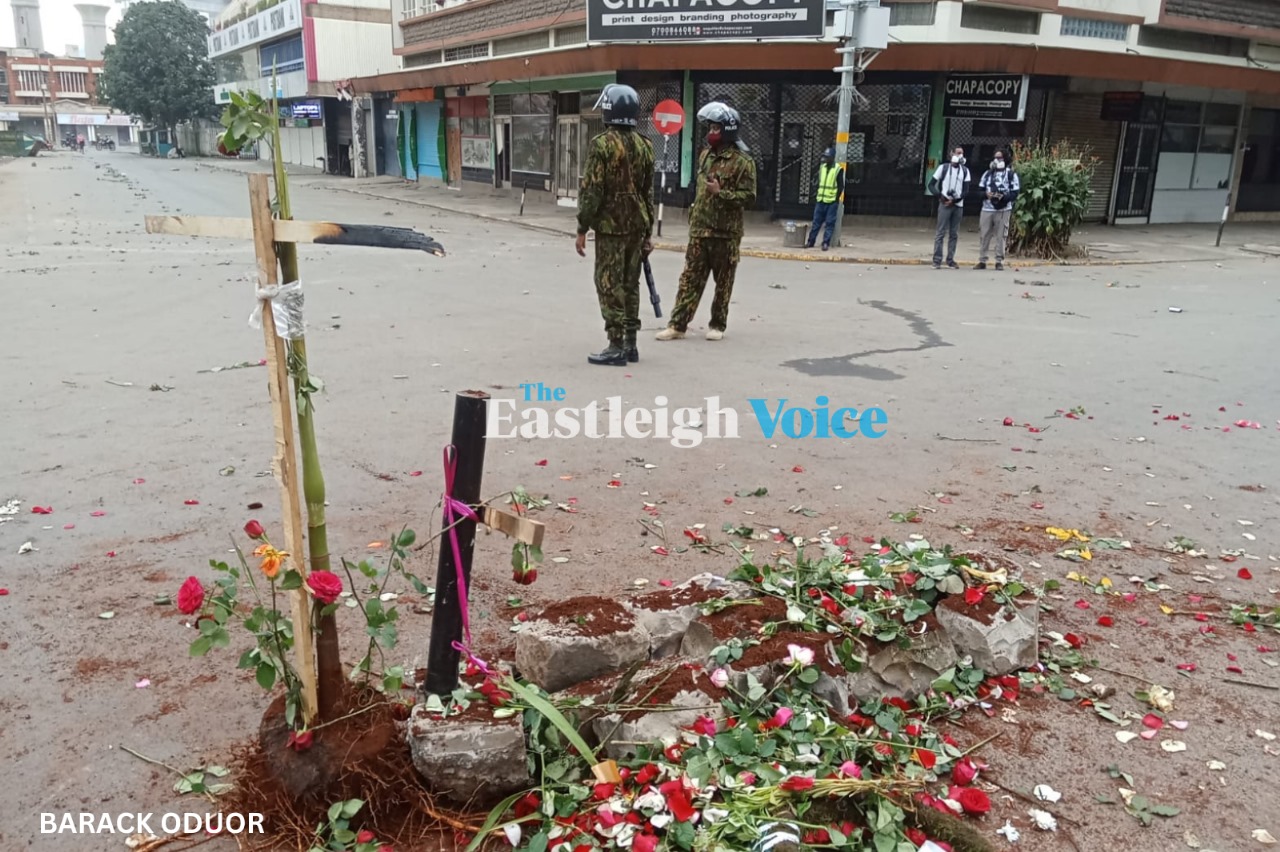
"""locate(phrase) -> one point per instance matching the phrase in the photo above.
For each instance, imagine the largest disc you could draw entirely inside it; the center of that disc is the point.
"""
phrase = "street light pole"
(846, 51)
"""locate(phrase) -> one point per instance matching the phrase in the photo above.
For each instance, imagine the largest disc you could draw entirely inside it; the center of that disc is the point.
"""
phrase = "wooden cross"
(265, 232)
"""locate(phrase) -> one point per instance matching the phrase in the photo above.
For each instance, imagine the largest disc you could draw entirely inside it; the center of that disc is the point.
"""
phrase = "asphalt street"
(116, 401)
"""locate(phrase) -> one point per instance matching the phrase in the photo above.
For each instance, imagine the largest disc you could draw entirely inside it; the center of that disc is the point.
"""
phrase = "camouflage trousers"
(706, 256)
(618, 260)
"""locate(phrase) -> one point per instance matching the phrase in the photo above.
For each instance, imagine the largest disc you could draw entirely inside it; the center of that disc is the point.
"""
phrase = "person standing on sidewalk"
(616, 201)
(827, 208)
(950, 184)
(726, 188)
(1001, 185)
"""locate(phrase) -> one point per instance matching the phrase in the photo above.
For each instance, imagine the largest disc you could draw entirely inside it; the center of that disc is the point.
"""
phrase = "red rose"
(300, 741)
(964, 772)
(796, 783)
(325, 586)
(916, 836)
(190, 597)
(645, 843)
(646, 774)
(365, 836)
(525, 578)
(254, 530)
(974, 801)
(927, 758)
(527, 805)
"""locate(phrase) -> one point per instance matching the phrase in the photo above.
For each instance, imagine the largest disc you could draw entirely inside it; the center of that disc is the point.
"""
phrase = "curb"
(763, 254)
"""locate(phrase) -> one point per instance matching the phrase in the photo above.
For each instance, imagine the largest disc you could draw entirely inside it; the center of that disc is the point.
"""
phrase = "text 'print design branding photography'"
(544, 411)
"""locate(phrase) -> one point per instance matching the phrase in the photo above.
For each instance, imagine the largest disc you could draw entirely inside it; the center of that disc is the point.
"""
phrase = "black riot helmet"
(620, 105)
(718, 112)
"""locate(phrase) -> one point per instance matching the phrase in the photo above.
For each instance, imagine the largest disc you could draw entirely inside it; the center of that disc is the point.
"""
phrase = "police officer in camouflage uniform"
(727, 187)
(616, 201)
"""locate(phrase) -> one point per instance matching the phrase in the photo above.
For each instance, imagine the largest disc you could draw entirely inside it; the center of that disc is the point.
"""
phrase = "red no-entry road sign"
(668, 117)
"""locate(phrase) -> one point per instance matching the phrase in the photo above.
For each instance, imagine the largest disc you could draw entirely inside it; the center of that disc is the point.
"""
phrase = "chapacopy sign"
(1002, 97)
(703, 20)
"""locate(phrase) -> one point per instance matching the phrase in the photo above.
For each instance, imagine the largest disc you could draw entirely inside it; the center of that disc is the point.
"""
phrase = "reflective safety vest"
(828, 189)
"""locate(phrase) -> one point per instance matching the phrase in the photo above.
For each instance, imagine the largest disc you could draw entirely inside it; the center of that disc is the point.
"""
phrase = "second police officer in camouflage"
(616, 201)
(727, 188)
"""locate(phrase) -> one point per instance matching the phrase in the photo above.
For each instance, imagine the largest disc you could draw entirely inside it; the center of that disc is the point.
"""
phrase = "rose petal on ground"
(111, 553)
(1037, 505)
(1105, 621)
(1151, 720)
(1266, 735)
(1180, 725)
(68, 526)
(1045, 793)
(1262, 836)
(3, 592)
(1216, 765)
(142, 684)
(1126, 736)
(797, 469)
(615, 483)
(1082, 604)
(1244, 574)
(1235, 670)
(1149, 734)
(666, 584)
(97, 514)
(415, 473)
(1172, 746)
(191, 502)
(1186, 667)
(541, 463)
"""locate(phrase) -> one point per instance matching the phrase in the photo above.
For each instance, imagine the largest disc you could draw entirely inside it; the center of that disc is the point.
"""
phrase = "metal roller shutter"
(1076, 117)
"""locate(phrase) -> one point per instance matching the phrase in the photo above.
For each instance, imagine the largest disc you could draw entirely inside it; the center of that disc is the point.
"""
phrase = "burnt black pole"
(470, 410)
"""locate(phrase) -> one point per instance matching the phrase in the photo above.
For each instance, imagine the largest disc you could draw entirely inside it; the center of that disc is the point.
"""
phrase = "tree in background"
(159, 69)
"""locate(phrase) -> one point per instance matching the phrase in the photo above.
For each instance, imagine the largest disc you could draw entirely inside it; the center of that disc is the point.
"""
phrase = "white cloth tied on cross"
(286, 302)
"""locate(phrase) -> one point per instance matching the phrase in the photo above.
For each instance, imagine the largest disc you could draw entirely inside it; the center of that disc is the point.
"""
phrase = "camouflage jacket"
(617, 185)
(721, 215)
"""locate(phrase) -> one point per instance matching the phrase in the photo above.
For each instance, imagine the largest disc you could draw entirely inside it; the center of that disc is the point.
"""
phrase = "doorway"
(800, 154)
(568, 156)
(502, 164)
(1136, 171)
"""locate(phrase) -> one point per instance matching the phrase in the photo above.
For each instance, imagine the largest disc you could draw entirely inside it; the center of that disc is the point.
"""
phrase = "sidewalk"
(867, 240)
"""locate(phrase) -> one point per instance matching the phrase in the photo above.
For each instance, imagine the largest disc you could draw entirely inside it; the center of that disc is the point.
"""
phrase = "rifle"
(653, 289)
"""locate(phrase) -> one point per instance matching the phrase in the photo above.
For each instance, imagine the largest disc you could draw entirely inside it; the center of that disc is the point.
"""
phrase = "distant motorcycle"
(104, 143)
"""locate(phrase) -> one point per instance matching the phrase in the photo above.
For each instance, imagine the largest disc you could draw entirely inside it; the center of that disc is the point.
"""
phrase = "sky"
(60, 22)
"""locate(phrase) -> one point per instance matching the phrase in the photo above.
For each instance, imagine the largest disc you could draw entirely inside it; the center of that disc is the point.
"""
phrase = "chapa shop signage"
(704, 20)
(1002, 97)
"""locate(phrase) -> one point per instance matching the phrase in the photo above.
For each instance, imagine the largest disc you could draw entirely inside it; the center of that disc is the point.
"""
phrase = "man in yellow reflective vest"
(830, 192)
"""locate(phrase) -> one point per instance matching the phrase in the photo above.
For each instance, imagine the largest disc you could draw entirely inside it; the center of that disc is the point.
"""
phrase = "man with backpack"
(1001, 186)
(950, 184)
(616, 201)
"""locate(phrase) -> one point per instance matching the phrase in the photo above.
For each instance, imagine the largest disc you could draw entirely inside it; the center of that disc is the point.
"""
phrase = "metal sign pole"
(662, 193)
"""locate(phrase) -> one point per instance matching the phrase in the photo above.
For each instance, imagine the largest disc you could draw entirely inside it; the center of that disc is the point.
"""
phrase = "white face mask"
(955, 160)
(999, 165)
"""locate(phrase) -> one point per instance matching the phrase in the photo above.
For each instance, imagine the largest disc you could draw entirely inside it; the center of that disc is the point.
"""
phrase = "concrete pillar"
(26, 24)
(94, 18)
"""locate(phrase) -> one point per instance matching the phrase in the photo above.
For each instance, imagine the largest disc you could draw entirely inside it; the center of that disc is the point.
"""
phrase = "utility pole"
(852, 42)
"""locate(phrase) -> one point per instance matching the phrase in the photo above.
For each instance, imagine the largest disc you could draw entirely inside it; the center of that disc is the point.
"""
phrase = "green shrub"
(1054, 197)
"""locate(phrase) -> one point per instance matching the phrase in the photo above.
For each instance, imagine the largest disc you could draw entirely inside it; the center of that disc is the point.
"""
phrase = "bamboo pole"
(328, 652)
(285, 462)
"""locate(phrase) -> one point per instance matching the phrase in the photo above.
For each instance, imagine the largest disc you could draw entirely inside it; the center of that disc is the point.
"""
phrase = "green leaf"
(539, 842)
(491, 821)
(554, 716)
(292, 580)
(266, 675)
(201, 646)
(351, 807)
(727, 743)
(335, 811)
(808, 676)
(1165, 810)
(888, 721)
(218, 771)
(407, 538)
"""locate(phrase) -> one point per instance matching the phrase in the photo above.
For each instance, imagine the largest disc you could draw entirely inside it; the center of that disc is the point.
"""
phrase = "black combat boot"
(613, 356)
(633, 354)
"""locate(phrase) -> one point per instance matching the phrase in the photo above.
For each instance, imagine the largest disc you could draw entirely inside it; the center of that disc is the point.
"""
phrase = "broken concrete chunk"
(620, 738)
(906, 672)
(556, 656)
(469, 759)
(999, 644)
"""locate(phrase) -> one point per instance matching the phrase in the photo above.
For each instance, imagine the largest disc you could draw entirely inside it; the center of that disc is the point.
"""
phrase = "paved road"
(92, 303)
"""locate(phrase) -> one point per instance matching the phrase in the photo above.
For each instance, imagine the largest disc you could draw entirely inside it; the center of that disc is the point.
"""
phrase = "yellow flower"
(271, 560)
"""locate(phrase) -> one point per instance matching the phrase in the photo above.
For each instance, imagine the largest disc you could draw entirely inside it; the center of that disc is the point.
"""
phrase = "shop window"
(571, 35)
(1197, 146)
(521, 44)
(417, 60)
(1260, 171)
(1192, 42)
(467, 51)
(1089, 28)
(999, 20)
(913, 14)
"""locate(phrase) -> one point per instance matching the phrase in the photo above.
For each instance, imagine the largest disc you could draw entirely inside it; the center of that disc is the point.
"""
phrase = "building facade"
(1177, 100)
(55, 96)
(313, 49)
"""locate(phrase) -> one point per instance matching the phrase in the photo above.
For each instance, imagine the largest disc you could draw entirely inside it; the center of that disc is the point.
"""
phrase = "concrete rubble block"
(621, 738)
(698, 641)
(668, 614)
(999, 643)
(468, 759)
(906, 672)
(555, 656)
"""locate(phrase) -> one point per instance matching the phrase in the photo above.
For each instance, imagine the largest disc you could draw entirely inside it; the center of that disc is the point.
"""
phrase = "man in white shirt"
(950, 184)
(1001, 186)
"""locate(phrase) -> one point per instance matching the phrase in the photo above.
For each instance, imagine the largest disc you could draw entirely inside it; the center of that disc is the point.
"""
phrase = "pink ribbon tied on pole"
(455, 510)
